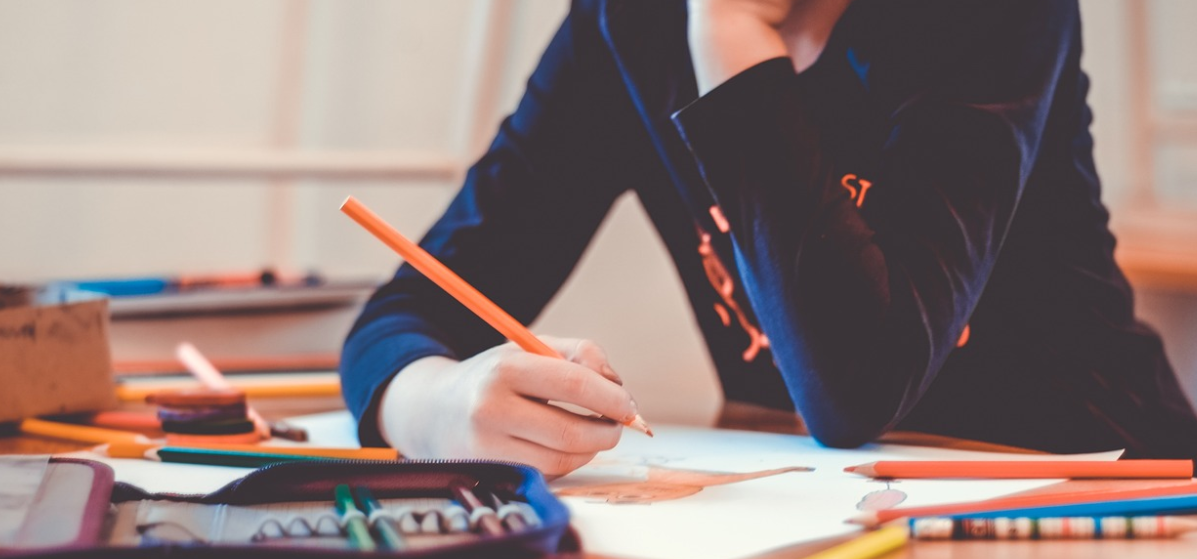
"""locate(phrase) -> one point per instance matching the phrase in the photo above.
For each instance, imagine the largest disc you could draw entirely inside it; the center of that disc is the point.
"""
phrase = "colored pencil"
(230, 458)
(210, 376)
(156, 285)
(870, 544)
(354, 520)
(509, 514)
(465, 293)
(78, 433)
(487, 519)
(875, 518)
(1179, 504)
(1026, 469)
(138, 450)
(246, 363)
(1086, 527)
(304, 385)
(384, 524)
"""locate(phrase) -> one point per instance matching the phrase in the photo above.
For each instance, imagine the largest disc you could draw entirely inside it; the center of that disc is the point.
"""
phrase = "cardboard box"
(54, 358)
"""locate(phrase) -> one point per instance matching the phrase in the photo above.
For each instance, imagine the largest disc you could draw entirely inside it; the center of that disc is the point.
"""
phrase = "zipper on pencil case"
(319, 463)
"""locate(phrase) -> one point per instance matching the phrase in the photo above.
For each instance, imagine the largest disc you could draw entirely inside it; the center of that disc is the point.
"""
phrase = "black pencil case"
(287, 510)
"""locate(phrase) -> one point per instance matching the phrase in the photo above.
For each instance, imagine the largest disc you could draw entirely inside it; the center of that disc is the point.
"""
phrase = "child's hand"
(493, 406)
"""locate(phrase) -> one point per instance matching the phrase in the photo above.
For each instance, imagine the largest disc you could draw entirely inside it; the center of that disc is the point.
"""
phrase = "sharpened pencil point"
(867, 519)
(867, 470)
(639, 424)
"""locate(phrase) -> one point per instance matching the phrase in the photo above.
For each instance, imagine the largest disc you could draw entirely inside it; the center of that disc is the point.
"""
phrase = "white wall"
(134, 78)
(139, 84)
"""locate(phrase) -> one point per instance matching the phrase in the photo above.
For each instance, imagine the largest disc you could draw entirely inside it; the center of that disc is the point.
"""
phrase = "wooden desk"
(739, 416)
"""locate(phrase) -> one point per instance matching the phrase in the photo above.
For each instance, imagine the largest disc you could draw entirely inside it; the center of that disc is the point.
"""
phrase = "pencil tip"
(866, 470)
(639, 424)
(867, 519)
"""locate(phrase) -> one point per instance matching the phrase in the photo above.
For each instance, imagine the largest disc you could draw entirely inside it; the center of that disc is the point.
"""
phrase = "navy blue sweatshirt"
(909, 234)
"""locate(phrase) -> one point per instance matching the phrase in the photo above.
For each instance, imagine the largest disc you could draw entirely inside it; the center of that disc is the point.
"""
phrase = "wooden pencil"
(230, 458)
(869, 544)
(452, 283)
(875, 518)
(356, 527)
(124, 449)
(78, 433)
(386, 527)
(1077, 527)
(1173, 504)
(304, 385)
(513, 518)
(487, 519)
(1026, 469)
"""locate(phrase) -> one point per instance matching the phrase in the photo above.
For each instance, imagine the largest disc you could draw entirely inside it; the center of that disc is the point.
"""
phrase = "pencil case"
(288, 510)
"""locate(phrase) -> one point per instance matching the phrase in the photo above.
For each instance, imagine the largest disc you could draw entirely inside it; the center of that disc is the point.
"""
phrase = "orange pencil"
(876, 518)
(128, 449)
(78, 433)
(465, 293)
(1018, 469)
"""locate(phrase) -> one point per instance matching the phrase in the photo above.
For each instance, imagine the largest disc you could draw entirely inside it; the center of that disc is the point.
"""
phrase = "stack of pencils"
(1140, 513)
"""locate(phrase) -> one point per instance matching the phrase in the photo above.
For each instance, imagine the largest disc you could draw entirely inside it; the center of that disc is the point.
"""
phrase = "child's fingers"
(585, 353)
(560, 430)
(546, 378)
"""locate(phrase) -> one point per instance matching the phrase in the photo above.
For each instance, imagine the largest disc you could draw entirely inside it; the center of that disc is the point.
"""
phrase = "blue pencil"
(1180, 504)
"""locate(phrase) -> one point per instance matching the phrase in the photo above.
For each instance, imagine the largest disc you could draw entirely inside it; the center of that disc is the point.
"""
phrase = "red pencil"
(875, 518)
(1017, 469)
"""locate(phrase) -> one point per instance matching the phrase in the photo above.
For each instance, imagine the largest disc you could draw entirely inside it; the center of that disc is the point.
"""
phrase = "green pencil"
(355, 520)
(385, 525)
(212, 457)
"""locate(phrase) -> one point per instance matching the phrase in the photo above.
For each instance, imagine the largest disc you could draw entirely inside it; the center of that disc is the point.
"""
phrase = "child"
(885, 214)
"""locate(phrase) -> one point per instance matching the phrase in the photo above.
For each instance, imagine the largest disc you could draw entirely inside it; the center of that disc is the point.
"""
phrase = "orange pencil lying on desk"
(128, 449)
(465, 293)
(1030, 469)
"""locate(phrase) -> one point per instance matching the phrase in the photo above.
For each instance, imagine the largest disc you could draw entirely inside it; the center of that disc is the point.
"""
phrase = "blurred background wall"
(141, 137)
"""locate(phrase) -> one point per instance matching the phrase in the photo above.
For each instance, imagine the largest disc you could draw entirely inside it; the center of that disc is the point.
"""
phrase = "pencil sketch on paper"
(646, 480)
(660, 483)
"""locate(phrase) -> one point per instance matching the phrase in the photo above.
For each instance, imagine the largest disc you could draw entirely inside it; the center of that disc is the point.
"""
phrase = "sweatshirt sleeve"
(526, 212)
(864, 286)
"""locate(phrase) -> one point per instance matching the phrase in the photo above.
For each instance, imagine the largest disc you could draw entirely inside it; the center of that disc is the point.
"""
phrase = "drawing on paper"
(659, 483)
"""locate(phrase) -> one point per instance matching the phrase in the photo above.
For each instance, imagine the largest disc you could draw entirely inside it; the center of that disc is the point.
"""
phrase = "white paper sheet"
(750, 517)
(335, 429)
